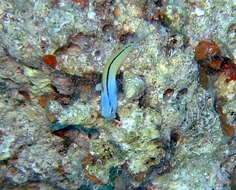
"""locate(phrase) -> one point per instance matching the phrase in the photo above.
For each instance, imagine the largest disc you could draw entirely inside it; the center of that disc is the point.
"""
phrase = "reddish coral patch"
(206, 49)
(50, 60)
(94, 179)
(63, 99)
(215, 63)
(87, 160)
(50, 116)
(140, 176)
(232, 77)
(203, 78)
(61, 170)
(228, 130)
(229, 69)
(43, 100)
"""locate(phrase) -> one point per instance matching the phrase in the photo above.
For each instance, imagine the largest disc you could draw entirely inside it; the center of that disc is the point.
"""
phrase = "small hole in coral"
(232, 113)
(107, 27)
(124, 38)
(174, 136)
(168, 93)
(181, 93)
(97, 53)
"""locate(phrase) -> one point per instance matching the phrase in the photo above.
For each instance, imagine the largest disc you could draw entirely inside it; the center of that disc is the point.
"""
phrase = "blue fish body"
(109, 102)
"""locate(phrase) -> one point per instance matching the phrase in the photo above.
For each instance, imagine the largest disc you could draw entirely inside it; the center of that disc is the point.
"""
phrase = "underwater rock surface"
(175, 124)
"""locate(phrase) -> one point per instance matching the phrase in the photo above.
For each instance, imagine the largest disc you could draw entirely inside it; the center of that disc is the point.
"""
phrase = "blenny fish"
(109, 95)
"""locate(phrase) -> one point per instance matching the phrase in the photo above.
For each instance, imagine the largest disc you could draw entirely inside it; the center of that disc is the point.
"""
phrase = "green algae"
(78, 114)
(134, 87)
(41, 83)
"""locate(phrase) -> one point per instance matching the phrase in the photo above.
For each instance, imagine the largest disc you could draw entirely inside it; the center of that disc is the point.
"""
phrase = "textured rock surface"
(167, 134)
